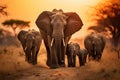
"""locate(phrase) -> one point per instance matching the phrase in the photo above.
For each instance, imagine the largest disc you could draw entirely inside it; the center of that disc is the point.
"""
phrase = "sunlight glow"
(30, 9)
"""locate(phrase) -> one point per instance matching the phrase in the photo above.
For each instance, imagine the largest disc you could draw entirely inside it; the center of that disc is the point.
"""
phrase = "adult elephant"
(56, 28)
(31, 41)
(94, 43)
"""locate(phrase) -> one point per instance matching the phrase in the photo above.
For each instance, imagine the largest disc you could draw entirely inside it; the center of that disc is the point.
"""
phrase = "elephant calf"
(73, 50)
(82, 55)
(94, 43)
(31, 42)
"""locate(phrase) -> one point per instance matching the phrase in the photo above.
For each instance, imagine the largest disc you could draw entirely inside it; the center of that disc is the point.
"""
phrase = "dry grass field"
(14, 67)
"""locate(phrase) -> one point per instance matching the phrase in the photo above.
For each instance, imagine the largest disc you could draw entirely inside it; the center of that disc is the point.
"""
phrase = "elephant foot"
(29, 61)
(34, 63)
(98, 59)
(69, 65)
(62, 64)
(82, 64)
(73, 66)
(54, 66)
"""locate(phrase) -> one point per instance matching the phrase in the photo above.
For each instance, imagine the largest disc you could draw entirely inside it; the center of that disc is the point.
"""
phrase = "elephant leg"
(33, 56)
(28, 54)
(63, 52)
(89, 57)
(24, 52)
(45, 39)
(62, 61)
(36, 56)
(99, 56)
(23, 45)
(54, 59)
(26, 57)
(74, 61)
(79, 59)
(69, 60)
(81, 63)
(48, 56)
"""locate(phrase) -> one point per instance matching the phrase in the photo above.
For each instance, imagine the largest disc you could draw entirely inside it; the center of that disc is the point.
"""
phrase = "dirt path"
(78, 73)
(14, 67)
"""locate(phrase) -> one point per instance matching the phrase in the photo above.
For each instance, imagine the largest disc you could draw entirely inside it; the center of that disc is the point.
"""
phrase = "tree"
(2, 10)
(108, 20)
(14, 24)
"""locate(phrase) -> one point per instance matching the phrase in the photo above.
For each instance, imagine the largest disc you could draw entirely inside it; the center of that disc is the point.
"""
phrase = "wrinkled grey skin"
(56, 28)
(94, 43)
(31, 42)
(82, 56)
(72, 50)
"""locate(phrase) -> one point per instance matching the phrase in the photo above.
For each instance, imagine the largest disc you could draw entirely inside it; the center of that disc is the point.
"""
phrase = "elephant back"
(100, 41)
(73, 47)
(38, 38)
(94, 39)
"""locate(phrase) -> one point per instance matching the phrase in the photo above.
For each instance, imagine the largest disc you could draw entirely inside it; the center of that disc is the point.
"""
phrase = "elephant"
(31, 42)
(82, 56)
(56, 28)
(72, 50)
(95, 44)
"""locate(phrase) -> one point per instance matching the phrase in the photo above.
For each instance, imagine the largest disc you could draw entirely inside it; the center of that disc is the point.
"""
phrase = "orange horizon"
(29, 10)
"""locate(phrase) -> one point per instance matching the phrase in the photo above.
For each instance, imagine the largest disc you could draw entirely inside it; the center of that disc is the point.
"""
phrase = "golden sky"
(30, 9)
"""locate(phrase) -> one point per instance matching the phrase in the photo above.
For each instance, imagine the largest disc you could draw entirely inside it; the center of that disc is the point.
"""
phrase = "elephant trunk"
(58, 41)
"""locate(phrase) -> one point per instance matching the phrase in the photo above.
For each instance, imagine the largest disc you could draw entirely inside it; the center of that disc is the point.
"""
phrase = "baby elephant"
(82, 55)
(73, 50)
(31, 42)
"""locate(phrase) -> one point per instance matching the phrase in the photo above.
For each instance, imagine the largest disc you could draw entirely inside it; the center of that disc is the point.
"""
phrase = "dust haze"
(14, 67)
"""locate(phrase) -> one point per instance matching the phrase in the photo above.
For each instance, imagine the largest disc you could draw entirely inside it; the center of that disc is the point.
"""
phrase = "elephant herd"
(56, 28)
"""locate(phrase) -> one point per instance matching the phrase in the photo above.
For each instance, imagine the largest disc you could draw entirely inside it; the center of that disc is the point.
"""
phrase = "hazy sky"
(30, 9)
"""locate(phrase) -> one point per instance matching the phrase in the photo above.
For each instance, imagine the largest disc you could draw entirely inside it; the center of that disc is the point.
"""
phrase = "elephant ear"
(21, 35)
(74, 23)
(43, 22)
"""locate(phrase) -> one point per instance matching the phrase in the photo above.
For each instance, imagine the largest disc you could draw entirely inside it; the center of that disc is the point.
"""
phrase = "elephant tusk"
(52, 41)
(63, 42)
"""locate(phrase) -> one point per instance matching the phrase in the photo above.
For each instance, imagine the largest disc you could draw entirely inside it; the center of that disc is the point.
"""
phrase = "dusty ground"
(14, 67)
